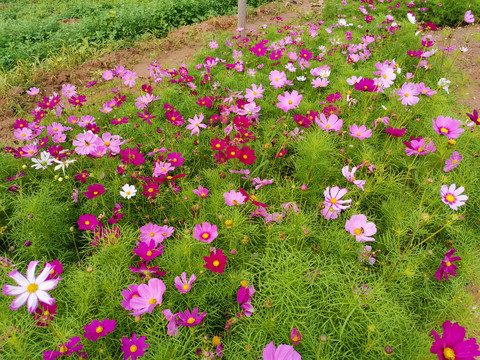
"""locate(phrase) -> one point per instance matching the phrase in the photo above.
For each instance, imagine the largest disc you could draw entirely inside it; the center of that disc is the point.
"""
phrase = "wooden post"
(242, 14)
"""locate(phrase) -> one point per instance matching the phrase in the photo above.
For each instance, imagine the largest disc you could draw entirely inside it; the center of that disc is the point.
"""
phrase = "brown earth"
(178, 47)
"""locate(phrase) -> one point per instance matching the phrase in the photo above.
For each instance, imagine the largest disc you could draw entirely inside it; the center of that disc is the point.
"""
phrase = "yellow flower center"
(232, 153)
(420, 149)
(333, 201)
(359, 134)
(234, 201)
(448, 263)
(152, 301)
(384, 76)
(133, 348)
(149, 253)
(107, 143)
(216, 263)
(244, 283)
(448, 354)
(150, 190)
(406, 95)
(245, 156)
(357, 232)
(87, 222)
(454, 161)
(328, 126)
(295, 338)
(151, 234)
(95, 192)
(63, 349)
(276, 79)
(450, 198)
(190, 320)
(216, 341)
(99, 329)
(205, 236)
(31, 288)
(290, 102)
(186, 287)
(203, 194)
(444, 130)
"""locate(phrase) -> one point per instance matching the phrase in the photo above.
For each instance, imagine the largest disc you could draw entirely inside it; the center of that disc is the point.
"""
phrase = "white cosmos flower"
(62, 164)
(443, 83)
(301, 78)
(45, 160)
(128, 191)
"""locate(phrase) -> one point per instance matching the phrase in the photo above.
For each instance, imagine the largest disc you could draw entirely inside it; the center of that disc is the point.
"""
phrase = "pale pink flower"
(452, 196)
(469, 18)
(453, 162)
(149, 296)
(182, 284)
(408, 94)
(195, 124)
(201, 191)
(254, 93)
(162, 168)
(332, 123)
(350, 176)
(333, 198)
(86, 143)
(233, 198)
(289, 101)
(360, 132)
(360, 228)
(277, 79)
(129, 78)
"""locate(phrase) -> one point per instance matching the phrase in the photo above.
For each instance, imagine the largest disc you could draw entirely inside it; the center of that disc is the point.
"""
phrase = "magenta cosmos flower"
(452, 196)
(289, 101)
(146, 251)
(97, 329)
(148, 297)
(446, 266)
(201, 191)
(205, 232)
(452, 346)
(31, 289)
(295, 336)
(150, 232)
(87, 222)
(190, 318)
(134, 348)
(360, 132)
(70, 347)
(447, 126)
(453, 162)
(332, 123)
(93, 191)
(283, 352)
(418, 146)
(182, 284)
(360, 228)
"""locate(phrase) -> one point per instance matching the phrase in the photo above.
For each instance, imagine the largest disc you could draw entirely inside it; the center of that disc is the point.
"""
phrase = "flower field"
(300, 191)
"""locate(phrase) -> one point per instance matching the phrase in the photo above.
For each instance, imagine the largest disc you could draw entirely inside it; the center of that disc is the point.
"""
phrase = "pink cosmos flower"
(254, 93)
(150, 232)
(33, 91)
(205, 232)
(148, 297)
(469, 18)
(172, 326)
(190, 318)
(176, 159)
(452, 345)
(452, 196)
(86, 143)
(289, 101)
(278, 79)
(333, 198)
(360, 228)
(71, 346)
(97, 329)
(418, 146)
(129, 294)
(201, 191)
(87, 222)
(233, 198)
(453, 162)
(31, 289)
(134, 348)
(146, 251)
(283, 352)
(332, 123)
(129, 78)
(196, 124)
(162, 168)
(446, 266)
(408, 94)
(182, 284)
(447, 126)
(94, 190)
(350, 176)
(360, 132)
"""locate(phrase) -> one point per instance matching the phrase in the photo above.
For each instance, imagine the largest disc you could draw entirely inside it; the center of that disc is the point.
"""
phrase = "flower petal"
(31, 271)
(19, 301)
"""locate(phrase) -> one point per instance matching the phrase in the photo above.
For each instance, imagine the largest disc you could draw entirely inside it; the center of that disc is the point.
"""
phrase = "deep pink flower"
(446, 266)
(87, 222)
(134, 348)
(216, 262)
(94, 190)
(295, 336)
(70, 347)
(201, 191)
(395, 132)
(145, 271)
(453, 162)
(146, 250)
(128, 294)
(132, 156)
(447, 126)
(360, 228)
(97, 329)
(418, 146)
(474, 117)
(366, 85)
(205, 232)
(452, 346)
(190, 318)
(175, 159)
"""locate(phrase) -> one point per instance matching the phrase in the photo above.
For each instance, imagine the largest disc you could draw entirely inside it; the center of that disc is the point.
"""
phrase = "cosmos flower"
(31, 289)
(190, 319)
(289, 101)
(452, 346)
(446, 266)
(447, 126)
(453, 162)
(135, 347)
(295, 336)
(148, 297)
(283, 352)
(183, 285)
(332, 123)
(452, 196)
(350, 176)
(201, 191)
(97, 329)
(216, 262)
(233, 198)
(360, 228)
(205, 232)
(128, 191)
(469, 18)
(70, 347)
